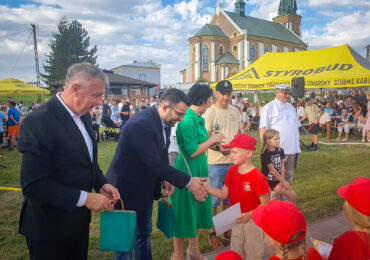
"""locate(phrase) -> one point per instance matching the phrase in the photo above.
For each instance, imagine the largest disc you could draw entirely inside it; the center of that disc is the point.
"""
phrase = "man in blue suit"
(140, 166)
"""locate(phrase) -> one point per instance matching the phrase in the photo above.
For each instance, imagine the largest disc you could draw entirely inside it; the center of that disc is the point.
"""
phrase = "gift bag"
(166, 221)
(117, 230)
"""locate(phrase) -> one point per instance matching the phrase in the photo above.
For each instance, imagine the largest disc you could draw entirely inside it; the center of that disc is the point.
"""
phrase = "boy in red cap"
(246, 185)
(354, 244)
(285, 228)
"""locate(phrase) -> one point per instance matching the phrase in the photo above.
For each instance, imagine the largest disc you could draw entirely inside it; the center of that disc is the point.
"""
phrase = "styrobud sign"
(326, 68)
(301, 73)
(268, 79)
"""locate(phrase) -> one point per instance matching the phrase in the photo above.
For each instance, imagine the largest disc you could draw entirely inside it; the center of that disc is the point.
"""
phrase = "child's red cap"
(357, 194)
(242, 141)
(229, 255)
(280, 220)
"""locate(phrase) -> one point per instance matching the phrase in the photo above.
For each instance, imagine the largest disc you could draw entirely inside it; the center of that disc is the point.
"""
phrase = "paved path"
(325, 230)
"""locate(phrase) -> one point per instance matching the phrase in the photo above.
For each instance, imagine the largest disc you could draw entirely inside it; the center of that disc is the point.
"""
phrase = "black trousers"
(72, 248)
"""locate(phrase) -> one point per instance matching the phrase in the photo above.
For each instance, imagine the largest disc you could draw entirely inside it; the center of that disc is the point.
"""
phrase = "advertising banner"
(336, 67)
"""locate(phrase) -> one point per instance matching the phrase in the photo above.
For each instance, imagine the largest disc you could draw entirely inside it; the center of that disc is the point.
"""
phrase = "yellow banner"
(10, 188)
(336, 67)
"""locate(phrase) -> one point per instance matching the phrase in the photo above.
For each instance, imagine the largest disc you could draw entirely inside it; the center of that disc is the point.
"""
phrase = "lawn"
(26, 99)
(316, 180)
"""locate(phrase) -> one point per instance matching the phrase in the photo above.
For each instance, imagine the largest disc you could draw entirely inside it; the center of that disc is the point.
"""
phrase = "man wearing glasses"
(280, 115)
(140, 166)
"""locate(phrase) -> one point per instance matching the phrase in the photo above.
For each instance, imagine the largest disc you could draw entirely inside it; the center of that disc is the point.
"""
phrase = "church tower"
(287, 16)
(240, 7)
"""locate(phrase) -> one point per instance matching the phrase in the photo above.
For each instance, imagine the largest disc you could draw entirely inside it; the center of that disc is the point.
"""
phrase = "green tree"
(201, 80)
(68, 46)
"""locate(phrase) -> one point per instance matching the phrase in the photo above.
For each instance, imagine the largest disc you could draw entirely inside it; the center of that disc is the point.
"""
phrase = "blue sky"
(127, 30)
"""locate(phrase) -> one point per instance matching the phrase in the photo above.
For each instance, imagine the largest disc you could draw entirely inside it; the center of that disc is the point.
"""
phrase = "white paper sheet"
(323, 248)
(225, 220)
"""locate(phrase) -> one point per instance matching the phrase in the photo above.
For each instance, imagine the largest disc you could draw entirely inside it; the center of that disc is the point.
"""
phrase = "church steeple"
(287, 7)
(287, 16)
(240, 7)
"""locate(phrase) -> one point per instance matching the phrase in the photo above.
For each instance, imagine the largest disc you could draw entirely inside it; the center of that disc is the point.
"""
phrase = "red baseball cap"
(280, 220)
(242, 141)
(229, 255)
(357, 194)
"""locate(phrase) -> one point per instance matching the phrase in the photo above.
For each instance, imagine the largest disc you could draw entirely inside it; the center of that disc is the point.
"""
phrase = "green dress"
(190, 213)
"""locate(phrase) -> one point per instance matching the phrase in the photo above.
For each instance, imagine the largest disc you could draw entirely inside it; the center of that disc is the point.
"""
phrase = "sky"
(158, 30)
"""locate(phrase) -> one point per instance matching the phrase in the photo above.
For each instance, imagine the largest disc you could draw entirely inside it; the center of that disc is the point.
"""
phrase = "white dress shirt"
(88, 141)
(283, 118)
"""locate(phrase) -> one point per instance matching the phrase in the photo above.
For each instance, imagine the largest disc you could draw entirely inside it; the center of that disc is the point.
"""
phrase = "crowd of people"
(60, 169)
(341, 110)
(11, 115)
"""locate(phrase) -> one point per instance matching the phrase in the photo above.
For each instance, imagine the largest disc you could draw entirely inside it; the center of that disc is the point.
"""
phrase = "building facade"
(145, 71)
(232, 41)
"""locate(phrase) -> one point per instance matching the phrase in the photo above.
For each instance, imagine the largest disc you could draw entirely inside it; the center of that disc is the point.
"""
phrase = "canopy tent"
(336, 67)
(12, 86)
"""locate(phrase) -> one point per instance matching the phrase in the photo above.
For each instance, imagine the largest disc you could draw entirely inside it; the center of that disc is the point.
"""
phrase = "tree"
(69, 45)
(201, 80)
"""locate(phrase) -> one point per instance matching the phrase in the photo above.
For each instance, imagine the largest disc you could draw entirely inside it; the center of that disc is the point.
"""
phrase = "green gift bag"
(166, 221)
(117, 230)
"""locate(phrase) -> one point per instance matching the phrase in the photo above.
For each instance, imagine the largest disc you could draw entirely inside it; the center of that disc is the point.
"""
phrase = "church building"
(232, 41)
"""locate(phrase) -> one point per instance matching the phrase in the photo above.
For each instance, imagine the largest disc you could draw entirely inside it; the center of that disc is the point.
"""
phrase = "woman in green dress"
(193, 141)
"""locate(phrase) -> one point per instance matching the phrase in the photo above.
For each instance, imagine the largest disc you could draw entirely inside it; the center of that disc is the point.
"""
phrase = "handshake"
(197, 186)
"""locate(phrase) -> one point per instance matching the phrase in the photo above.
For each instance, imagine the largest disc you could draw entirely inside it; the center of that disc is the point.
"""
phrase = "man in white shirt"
(300, 110)
(325, 121)
(280, 115)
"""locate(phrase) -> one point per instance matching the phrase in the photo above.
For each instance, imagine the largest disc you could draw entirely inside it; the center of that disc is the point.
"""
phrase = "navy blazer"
(56, 165)
(140, 163)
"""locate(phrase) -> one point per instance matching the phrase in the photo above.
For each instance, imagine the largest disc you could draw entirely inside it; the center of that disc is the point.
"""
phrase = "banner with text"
(336, 67)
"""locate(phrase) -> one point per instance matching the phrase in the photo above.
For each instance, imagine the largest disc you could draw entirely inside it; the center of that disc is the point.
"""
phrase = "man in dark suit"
(60, 169)
(140, 165)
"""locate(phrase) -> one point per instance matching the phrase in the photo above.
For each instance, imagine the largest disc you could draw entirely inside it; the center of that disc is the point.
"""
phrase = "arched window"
(266, 50)
(205, 58)
(221, 51)
(251, 53)
(235, 48)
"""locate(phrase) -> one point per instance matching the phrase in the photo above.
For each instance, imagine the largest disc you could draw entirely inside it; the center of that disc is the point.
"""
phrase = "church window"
(251, 54)
(221, 51)
(235, 34)
(205, 58)
(235, 48)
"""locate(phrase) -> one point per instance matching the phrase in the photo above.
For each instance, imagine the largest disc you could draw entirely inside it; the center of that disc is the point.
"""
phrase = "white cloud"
(265, 9)
(127, 30)
(335, 3)
(352, 29)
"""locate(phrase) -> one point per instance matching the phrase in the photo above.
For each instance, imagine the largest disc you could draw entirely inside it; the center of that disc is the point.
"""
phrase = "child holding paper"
(246, 185)
(355, 243)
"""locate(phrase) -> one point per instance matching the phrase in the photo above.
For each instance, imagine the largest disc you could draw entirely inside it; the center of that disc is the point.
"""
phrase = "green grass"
(316, 180)
(26, 99)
